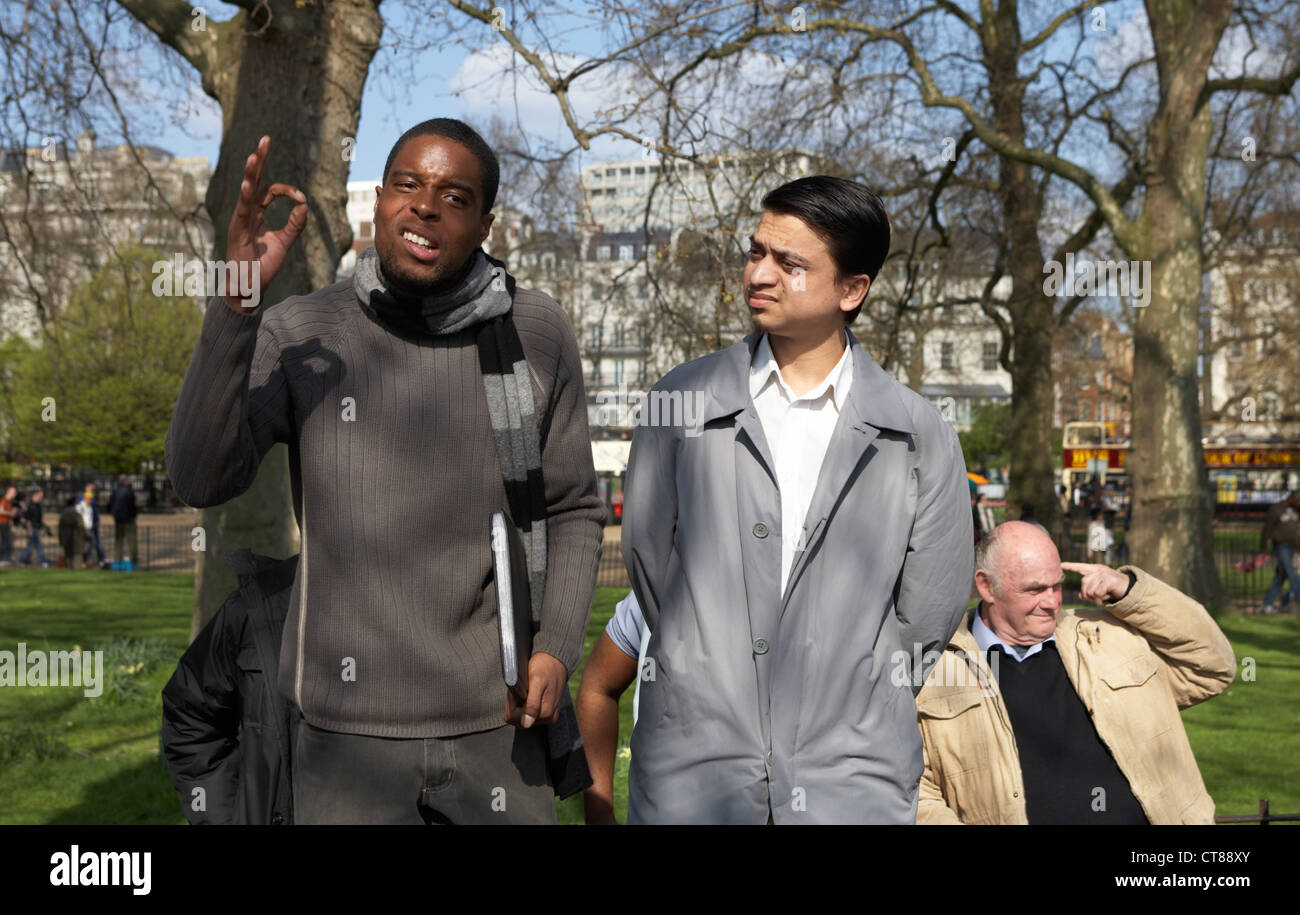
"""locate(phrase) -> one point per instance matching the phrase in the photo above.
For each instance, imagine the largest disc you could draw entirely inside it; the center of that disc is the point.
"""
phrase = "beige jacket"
(1134, 664)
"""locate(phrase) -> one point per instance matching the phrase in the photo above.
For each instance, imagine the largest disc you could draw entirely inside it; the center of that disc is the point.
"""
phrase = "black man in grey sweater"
(375, 384)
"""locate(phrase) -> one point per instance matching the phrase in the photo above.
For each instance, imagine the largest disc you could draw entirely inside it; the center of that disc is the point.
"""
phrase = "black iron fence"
(1263, 818)
(611, 573)
(1243, 570)
(159, 547)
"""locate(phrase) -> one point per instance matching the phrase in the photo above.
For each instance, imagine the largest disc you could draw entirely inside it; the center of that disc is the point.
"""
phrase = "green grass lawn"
(68, 759)
(65, 758)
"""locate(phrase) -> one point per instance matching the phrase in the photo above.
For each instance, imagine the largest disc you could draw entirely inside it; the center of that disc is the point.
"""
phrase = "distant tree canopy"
(987, 442)
(97, 391)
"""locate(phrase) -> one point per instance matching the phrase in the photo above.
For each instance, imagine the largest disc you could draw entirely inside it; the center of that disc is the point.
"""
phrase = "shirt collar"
(985, 639)
(763, 366)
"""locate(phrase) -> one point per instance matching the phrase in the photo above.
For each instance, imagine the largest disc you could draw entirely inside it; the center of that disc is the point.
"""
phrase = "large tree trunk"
(1031, 436)
(1033, 316)
(296, 73)
(1173, 511)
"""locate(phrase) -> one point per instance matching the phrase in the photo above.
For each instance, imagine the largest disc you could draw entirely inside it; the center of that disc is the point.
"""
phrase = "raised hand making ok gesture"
(249, 239)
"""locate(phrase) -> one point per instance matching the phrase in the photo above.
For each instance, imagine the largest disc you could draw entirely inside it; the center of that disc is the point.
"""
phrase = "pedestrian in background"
(121, 505)
(1066, 517)
(34, 519)
(7, 516)
(89, 509)
(72, 533)
(1282, 526)
(1100, 540)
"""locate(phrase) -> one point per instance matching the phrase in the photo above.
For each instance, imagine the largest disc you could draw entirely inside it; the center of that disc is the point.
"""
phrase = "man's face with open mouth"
(427, 215)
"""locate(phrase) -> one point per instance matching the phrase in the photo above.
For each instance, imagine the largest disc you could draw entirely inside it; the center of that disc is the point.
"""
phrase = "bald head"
(1018, 575)
(1009, 541)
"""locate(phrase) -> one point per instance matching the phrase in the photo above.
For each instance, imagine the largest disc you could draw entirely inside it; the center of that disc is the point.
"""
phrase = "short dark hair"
(846, 215)
(466, 136)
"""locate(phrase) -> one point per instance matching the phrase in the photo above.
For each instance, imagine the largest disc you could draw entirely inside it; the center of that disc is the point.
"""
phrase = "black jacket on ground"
(225, 727)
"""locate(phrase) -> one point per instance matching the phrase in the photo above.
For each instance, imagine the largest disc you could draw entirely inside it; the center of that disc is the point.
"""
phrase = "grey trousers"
(489, 777)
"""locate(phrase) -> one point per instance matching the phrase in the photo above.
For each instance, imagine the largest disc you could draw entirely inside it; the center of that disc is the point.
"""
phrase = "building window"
(625, 252)
(1268, 338)
(946, 360)
(366, 228)
(990, 357)
(618, 371)
(1094, 347)
(595, 336)
(609, 173)
(602, 252)
(1236, 351)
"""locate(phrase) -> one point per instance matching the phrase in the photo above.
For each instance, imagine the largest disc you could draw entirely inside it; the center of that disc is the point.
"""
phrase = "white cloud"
(498, 83)
(1234, 57)
(1123, 45)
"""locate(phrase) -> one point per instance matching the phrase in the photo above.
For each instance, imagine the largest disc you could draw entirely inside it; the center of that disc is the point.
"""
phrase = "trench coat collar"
(873, 399)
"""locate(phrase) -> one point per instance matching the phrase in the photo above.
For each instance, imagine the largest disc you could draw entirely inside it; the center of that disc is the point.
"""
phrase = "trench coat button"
(760, 530)
(769, 759)
(277, 820)
(760, 646)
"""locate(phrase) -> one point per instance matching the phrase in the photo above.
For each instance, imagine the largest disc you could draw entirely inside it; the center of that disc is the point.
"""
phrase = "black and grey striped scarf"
(509, 389)
(508, 385)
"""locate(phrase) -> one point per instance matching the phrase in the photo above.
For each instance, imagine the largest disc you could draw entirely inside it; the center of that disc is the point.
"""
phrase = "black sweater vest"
(1070, 777)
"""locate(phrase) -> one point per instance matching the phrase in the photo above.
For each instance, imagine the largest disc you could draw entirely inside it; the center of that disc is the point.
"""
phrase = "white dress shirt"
(798, 430)
(985, 639)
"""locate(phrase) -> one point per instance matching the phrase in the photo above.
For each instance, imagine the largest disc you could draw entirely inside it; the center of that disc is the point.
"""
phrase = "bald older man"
(1038, 714)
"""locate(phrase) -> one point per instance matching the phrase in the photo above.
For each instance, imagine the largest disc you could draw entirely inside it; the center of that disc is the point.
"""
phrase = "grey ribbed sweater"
(395, 477)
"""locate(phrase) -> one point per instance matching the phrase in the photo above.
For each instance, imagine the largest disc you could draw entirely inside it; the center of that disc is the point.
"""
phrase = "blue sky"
(450, 82)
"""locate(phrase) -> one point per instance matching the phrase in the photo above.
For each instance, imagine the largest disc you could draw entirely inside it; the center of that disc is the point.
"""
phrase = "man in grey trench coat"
(780, 677)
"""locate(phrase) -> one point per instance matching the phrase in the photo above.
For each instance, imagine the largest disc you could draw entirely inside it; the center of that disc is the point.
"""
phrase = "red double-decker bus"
(1247, 476)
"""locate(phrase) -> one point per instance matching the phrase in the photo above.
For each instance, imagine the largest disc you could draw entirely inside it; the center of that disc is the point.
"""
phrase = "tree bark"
(1172, 534)
(1033, 317)
(296, 73)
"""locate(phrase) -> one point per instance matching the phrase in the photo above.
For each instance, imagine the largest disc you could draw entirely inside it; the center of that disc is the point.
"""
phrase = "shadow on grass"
(136, 795)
